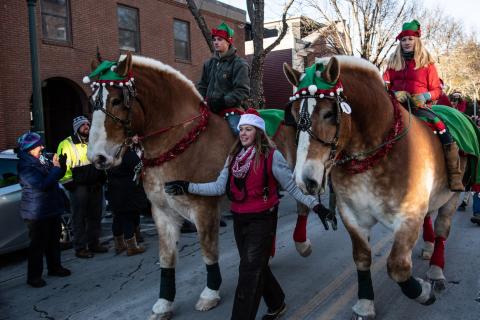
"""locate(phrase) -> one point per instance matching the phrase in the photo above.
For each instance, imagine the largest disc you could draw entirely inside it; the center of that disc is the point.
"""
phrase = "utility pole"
(37, 105)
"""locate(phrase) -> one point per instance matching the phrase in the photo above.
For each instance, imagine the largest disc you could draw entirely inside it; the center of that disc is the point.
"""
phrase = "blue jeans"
(233, 121)
(476, 203)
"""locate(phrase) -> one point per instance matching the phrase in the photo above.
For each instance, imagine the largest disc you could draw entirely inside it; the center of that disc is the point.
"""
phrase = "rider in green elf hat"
(225, 81)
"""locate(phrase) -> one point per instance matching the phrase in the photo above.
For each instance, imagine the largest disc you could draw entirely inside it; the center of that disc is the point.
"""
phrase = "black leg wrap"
(214, 278)
(167, 284)
(411, 288)
(365, 288)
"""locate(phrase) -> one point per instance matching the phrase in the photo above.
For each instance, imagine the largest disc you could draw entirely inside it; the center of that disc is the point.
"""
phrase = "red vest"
(254, 201)
(414, 81)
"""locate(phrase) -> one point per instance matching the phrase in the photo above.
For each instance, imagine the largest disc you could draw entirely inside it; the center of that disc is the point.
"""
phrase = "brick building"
(68, 33)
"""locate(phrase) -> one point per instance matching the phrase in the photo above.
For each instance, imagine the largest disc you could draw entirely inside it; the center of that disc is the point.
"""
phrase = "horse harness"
(129, 93)
(361, 161)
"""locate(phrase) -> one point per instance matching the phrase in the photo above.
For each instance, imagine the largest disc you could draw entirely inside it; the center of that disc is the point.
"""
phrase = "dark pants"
(86, 206)
(254, 234)
(431, 117)
(44, 240)
(125, 223)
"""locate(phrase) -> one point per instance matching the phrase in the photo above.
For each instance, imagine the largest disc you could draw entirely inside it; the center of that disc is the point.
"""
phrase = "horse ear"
(291, 74)
(94, 64)
(332, 71)
(125, 66)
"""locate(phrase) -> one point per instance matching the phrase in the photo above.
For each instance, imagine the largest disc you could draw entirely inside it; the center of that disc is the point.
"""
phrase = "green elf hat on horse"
(223, 31)
(411, 28)
(313, 85)
(105, 73)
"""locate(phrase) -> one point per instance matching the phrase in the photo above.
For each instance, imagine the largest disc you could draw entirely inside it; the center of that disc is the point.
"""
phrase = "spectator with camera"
(41, 206)
(85, 185)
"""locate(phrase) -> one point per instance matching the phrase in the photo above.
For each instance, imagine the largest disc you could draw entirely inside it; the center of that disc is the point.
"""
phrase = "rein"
(183, 144)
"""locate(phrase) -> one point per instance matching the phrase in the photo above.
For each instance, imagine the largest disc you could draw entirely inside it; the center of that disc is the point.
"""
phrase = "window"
(181, 34)
(56, 20)
(128, 30)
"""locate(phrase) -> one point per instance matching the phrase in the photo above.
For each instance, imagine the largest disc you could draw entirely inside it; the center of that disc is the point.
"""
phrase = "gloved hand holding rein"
(325, 216)
(176, 187)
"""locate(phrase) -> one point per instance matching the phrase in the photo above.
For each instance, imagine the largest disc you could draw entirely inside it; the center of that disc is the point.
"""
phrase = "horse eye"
(116, 102)
(327, 115)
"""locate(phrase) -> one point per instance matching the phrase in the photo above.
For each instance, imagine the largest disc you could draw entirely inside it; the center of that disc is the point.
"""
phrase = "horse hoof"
(209, 299)
(356, 316)
(163, 316)
(162, 310)
(427, 250)
(430, 300)
(304, 248)
(439, 285)
(426, 255)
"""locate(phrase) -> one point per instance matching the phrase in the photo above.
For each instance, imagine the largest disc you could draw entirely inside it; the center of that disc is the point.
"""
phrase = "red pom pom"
(252, 111)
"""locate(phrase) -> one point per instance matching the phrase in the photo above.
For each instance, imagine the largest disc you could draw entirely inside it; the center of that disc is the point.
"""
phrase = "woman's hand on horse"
(325, 216)
(402, 96)
(176, 187)
(420, 100)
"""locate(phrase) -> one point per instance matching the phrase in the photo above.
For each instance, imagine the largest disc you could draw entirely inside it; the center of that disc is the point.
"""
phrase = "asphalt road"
(322, 286)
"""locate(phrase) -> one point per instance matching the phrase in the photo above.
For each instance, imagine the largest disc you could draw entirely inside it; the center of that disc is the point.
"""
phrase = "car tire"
(66, 235)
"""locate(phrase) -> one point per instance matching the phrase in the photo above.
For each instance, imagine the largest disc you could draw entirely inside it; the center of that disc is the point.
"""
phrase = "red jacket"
(254, 184)
(414, 81)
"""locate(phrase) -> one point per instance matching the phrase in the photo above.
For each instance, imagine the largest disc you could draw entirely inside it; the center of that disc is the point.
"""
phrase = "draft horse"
(385, 165)
(182, 140)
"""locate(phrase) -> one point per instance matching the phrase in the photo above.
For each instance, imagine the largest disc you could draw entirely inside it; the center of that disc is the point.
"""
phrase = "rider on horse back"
(225, 81)
(412, 76)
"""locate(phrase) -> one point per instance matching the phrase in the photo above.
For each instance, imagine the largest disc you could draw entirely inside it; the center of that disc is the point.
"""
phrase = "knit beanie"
(78, 122)
(29, 141)
(252, 117)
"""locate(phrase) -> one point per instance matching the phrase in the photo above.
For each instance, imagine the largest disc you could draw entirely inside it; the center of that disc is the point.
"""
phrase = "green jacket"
(227, 76)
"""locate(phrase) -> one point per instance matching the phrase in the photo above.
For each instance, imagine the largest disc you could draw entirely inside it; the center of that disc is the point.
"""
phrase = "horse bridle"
(129, 93)
(304, 123)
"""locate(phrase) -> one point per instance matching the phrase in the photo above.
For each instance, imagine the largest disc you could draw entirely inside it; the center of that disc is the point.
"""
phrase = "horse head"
(136, 95)
(334, 98)
(113, 102)
(320, 121)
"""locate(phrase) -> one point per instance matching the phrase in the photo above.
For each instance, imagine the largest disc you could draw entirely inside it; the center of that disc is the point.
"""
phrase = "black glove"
(177, 187)
(326, 215)
(62, 159)
(216, 104)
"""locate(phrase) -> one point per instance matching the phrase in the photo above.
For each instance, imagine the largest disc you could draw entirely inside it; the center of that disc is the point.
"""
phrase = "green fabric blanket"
(273, 118)
(465, 133)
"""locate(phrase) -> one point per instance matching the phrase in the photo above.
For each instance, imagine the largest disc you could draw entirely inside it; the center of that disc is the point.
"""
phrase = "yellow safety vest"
(76, 156)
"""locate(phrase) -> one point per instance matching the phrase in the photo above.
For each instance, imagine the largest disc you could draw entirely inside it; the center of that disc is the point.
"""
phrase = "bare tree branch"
(201, 23)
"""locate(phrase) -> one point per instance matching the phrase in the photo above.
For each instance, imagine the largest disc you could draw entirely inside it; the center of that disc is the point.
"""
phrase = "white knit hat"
(252, 117)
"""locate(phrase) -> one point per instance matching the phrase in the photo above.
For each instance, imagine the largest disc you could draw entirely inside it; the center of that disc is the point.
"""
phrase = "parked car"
(13, 231)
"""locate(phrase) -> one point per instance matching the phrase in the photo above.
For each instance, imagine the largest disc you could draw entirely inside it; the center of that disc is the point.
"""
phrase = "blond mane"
(164, 68)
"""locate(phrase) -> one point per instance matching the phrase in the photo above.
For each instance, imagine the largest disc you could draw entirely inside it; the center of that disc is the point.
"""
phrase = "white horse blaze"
(313, 169)
(97, 142)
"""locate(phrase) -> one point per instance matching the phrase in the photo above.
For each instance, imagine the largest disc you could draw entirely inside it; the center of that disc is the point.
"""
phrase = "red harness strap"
(358, 166)
(183, 144)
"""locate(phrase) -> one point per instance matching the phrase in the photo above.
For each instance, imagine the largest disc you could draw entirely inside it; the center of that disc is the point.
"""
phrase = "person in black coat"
(41, 206)
(127, 200)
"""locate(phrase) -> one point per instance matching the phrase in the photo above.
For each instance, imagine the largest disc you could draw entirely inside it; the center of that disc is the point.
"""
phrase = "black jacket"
(228, 77)
(123, 194)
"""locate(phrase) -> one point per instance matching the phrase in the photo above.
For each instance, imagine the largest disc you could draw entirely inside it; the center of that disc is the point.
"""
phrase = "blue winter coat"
(41, 195)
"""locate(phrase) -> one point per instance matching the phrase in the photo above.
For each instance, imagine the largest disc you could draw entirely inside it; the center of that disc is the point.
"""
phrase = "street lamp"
(37, 106)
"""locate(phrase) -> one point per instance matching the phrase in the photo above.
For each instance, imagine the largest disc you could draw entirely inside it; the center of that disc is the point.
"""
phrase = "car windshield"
(8, 172)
